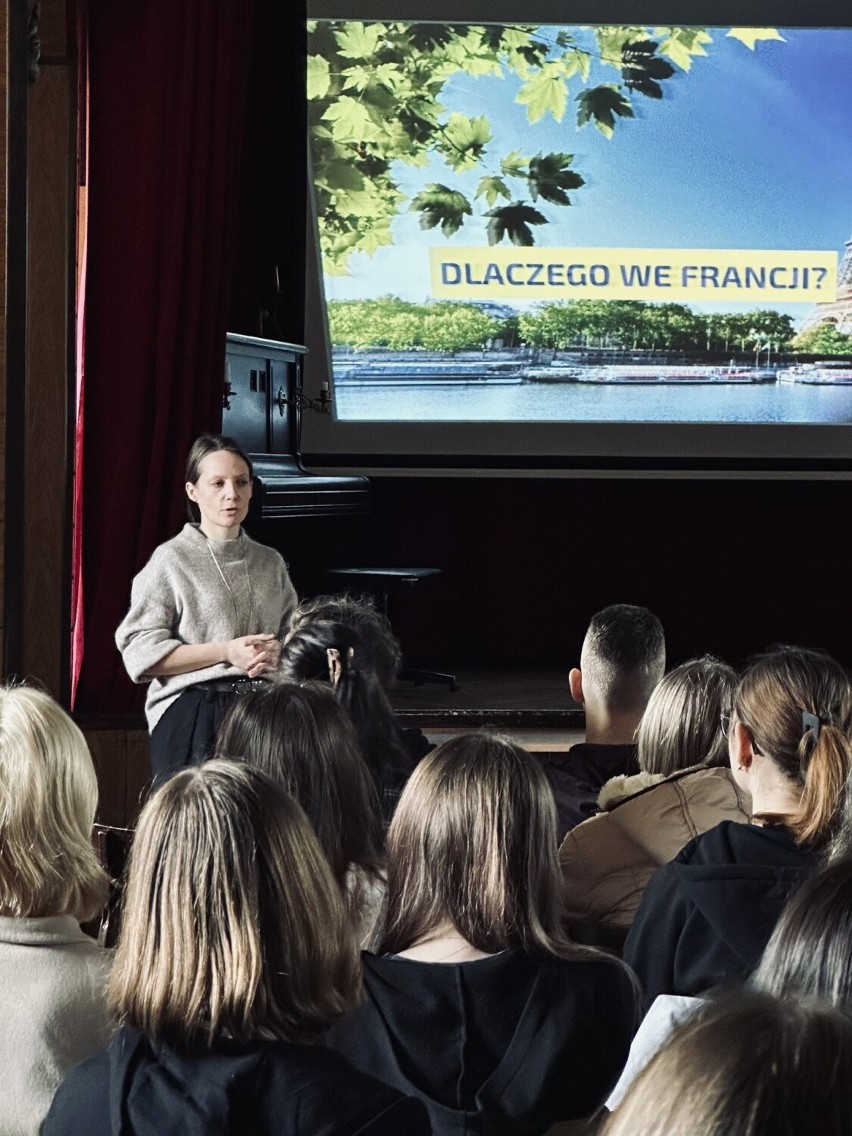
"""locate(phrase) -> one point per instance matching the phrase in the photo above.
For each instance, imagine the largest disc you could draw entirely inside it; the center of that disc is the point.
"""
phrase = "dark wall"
(729, 566)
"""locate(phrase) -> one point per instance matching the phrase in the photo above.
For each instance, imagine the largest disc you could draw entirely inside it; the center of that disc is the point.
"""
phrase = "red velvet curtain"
(167, 85)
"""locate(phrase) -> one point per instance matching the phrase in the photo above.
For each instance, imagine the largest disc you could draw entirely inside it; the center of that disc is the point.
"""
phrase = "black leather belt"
(233, 685)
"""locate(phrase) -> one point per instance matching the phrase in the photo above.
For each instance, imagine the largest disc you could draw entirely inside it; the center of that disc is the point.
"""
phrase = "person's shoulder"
(173, 551)
(260, 551)
(81, 1103)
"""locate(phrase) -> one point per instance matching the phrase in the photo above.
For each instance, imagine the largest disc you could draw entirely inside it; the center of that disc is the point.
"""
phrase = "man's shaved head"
(624, 655)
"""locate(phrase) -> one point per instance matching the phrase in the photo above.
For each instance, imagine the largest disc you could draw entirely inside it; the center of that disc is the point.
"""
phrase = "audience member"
(809, 955)
(301, 737)
(757, 1066)
(622, 660)
(235, 956)
(479, 1004)
(706, 917)
(685, 787)
(352, 654)
(53, 996)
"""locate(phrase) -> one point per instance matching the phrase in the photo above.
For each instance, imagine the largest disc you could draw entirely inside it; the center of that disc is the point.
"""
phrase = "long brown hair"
(810, 951)
(473, 841)
(233, 925)
(797, 705)
(301, 737)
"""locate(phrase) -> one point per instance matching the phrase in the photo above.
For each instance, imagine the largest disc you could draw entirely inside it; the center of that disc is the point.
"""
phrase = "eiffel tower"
(839, 310)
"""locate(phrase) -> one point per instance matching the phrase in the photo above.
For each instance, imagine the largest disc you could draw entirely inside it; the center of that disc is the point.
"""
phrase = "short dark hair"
(198, 451)
(625, 649)
(361, 613)
(362, 693)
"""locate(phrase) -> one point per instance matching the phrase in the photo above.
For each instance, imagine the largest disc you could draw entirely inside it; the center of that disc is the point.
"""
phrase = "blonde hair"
(778, 696)
(473, 840)
(681, 725)
(750, 1067)
(233, 925)
(48, 797)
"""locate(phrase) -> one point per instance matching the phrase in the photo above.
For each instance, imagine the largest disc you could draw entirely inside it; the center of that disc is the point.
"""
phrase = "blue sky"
(747, 150)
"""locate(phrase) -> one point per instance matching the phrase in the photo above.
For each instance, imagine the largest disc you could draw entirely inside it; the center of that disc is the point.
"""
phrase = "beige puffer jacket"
(645, 821)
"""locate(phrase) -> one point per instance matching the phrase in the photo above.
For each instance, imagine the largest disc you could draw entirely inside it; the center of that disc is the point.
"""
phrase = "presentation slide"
(588, 224)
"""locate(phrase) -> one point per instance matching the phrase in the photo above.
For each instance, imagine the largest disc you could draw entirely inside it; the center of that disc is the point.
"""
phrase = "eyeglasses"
(727, 719)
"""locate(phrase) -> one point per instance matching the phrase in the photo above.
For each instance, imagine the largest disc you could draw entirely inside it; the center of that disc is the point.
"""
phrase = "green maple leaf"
(549, 177)
(374, 237)
(439, 205)
(339, 174)
(642, 67)
(319, 77)
(364, 75)
(462, 140)
(546, 92)
(577, 62)
(681, 45)
(752, 36)
(515, 165)
(601, 105)
(351, 121)
(513, 221)
(359, 41)
(491, 188)
(611, 41)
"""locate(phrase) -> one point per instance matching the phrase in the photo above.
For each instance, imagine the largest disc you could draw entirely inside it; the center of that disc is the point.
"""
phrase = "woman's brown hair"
(753, 1066)
(232, 923)
(680, 726)
(796, 704)
(302, 737)
(473, 841)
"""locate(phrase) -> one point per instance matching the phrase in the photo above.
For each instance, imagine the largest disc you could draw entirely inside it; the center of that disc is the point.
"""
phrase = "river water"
(596, 402)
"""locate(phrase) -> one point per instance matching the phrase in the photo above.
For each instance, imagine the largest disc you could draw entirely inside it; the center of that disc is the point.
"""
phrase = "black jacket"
(503, 1045)
(136, 1088)
(706, 916)
(577, 777)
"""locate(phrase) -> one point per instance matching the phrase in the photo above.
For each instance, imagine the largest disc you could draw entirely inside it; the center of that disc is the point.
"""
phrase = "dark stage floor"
(533, 706)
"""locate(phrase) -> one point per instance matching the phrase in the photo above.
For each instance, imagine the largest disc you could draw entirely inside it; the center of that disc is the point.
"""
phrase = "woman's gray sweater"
(196, 590)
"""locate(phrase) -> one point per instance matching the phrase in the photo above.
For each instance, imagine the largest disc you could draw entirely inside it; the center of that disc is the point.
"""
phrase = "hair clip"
(811, 722)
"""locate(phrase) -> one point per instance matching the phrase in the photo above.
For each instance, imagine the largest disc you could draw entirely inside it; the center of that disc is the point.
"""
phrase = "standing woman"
(207, 611)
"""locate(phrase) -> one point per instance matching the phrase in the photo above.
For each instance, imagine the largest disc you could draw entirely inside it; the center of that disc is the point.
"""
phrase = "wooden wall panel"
(51, 240)
(123, 766)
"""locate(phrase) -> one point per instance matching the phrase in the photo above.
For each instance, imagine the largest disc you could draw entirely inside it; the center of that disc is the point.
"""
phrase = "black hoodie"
(136, 1088)
(503, 1045)
(706, 916)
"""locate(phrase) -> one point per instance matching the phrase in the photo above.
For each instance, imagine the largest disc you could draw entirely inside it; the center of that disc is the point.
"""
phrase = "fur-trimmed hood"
(619, 788)
(645, 820)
